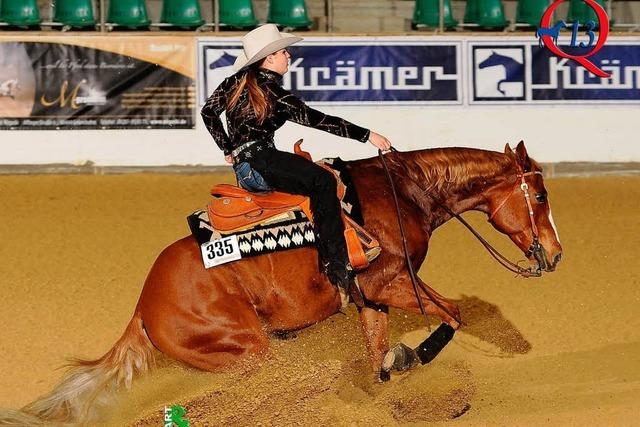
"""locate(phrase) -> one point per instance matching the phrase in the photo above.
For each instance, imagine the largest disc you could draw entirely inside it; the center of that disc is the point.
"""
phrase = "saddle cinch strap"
(233, 209)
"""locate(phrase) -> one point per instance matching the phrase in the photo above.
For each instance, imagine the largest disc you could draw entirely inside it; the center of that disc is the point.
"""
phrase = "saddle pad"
(263, 239)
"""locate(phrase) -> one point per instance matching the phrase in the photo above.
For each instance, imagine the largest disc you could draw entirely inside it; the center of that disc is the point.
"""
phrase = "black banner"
(62, 86)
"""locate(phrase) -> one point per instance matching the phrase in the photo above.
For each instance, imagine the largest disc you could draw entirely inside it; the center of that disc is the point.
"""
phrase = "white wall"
(552, 134)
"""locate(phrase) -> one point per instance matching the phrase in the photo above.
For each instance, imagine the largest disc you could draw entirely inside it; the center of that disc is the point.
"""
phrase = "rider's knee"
(325, 181)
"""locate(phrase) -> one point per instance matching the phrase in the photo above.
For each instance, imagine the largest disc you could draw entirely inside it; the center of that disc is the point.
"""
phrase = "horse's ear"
(521, 150)
(508, 151)
(522, 157)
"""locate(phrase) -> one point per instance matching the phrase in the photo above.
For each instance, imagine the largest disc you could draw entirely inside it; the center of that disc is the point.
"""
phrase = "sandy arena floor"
(560, 350)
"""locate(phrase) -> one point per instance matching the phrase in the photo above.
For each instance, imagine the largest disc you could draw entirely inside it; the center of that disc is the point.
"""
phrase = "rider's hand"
(379, 141)
(229, 159)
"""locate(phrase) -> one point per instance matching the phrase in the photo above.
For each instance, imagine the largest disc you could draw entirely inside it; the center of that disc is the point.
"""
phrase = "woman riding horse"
(211, 318)
(256, 106)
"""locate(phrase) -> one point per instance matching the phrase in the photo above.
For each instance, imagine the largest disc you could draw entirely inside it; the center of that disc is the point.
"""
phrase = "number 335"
(218, 248)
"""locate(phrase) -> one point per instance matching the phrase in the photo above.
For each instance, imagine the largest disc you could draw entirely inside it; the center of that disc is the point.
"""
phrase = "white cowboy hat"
(260, 43)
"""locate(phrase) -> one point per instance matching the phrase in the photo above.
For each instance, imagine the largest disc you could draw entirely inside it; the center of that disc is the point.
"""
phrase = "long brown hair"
(259, 101)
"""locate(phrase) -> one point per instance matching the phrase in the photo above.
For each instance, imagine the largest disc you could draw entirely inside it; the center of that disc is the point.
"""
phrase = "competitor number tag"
(220, 251)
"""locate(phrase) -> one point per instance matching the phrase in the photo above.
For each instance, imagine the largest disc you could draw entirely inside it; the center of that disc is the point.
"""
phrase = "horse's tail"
(89, 385)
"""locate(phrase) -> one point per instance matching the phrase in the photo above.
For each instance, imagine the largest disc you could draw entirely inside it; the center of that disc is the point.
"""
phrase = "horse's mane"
(456, 168)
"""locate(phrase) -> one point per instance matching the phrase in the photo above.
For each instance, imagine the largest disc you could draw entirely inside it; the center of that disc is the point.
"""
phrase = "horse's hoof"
(399, 358)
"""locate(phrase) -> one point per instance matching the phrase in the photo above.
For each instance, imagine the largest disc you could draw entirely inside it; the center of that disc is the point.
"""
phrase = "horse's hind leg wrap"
(429, 349)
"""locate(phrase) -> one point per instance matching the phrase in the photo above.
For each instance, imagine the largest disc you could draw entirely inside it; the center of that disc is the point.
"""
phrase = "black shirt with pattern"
(243, 127)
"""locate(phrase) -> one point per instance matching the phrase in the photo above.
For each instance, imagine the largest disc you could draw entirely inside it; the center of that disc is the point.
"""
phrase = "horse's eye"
(541, 197)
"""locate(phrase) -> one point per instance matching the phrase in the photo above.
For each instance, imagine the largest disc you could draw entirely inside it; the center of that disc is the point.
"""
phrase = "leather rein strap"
(502, 260)
(412, 273)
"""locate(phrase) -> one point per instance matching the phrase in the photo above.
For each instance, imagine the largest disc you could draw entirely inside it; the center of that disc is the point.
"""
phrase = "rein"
(412, 273)
(502, 260)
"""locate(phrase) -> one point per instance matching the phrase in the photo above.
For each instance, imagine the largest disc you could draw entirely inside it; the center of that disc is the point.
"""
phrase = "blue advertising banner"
(498, 72)
(558, 79)
(377, 71)
(516, 71)
(452, 70)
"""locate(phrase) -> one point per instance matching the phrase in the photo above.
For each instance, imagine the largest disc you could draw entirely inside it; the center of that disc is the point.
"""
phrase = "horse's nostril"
(557, 258)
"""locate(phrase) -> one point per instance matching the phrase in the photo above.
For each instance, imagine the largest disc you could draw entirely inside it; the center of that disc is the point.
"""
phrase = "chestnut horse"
(209, 318)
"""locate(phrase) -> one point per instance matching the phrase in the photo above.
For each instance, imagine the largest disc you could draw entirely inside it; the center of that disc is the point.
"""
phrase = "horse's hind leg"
(225, 334)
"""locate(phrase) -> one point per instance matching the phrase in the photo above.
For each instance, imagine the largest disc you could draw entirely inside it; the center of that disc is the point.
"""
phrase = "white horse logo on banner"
(8, 87)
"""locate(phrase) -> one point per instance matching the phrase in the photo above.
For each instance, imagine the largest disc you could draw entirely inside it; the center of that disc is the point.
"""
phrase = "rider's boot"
(342, 275)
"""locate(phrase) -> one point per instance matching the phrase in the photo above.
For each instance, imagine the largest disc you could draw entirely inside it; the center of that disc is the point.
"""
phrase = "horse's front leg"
(375, 327)
(399, 293)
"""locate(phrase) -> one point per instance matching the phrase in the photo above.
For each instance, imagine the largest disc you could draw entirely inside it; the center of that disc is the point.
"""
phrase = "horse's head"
(10, 85)
(493, 60)
(519, 207)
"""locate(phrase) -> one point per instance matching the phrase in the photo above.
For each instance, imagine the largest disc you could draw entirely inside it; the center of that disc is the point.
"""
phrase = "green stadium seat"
(579, 11)
(471, 12)
(74, 13)
(289, 13)
(237, 14)
(181, 13)
(21, 13)
(427, 13)
(128, 13)
(530, 12)
(487, 14)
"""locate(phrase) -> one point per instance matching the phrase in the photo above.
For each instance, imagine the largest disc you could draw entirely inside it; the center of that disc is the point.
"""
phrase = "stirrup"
(373, 253)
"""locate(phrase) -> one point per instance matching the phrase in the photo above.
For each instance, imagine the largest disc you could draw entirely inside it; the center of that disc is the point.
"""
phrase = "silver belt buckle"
(243, 147)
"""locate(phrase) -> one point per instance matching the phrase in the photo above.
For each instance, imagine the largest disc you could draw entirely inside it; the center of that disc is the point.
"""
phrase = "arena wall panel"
(419, 91)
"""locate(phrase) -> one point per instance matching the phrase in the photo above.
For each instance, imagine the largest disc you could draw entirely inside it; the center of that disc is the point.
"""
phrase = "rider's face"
(279, 61)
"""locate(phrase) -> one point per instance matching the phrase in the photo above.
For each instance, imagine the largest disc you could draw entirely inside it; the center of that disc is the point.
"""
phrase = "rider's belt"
(244, 146)
(246, 150)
